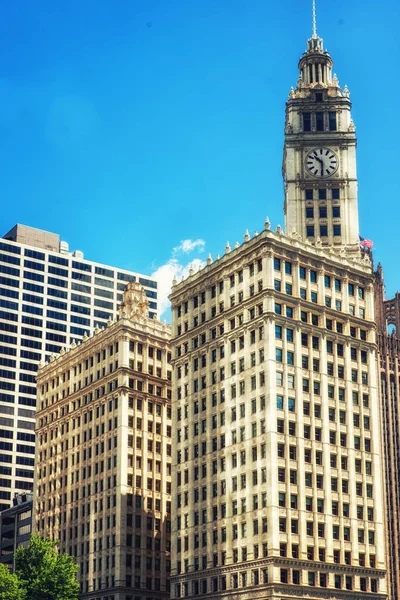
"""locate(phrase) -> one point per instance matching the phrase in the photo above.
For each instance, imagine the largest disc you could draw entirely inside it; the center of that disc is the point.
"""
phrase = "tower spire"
(314, 20)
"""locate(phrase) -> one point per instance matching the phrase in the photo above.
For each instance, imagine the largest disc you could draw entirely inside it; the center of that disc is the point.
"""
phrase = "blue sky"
(132, 125)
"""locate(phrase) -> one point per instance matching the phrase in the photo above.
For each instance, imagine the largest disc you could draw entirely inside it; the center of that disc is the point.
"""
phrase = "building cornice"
(276, 242)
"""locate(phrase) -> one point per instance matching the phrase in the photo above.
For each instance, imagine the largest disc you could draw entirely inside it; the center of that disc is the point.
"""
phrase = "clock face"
(322, 162)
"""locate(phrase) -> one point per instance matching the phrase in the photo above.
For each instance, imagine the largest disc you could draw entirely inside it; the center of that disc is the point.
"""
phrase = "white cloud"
(165, 275)
(189, 245)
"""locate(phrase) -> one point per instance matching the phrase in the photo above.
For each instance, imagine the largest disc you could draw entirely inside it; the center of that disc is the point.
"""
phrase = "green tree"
(10, 588)
(44, 573)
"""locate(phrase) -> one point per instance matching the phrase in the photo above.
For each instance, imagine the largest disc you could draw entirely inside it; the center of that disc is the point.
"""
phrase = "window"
(323, 213)
(319, 121)
(309, 212)
(310, 230)
(323, 230)
(335, 211)
(332, 121)
(336, 230)
(335, 194)
(309, 196)
(307, 121)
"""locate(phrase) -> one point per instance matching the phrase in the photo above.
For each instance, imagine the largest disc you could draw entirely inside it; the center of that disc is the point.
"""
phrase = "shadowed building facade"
(15, 528)
(103, 455)
(388, 317)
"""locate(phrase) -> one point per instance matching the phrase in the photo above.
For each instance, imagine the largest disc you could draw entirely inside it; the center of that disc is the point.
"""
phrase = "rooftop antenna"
(314, 20)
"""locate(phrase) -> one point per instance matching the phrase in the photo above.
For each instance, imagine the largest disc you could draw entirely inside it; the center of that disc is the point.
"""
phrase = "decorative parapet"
(343, 257)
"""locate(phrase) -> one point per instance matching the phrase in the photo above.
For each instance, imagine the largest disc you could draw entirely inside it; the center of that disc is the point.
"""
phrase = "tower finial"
(314, 20)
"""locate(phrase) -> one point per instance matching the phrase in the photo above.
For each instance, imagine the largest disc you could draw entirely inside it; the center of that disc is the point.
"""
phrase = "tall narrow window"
(309, 212)
(332, 121)
(336, 230)
(306, 121)
(319, 118)
(310, 230)
(323, 231)
(323, 212)
(335, 212)
(335, 194)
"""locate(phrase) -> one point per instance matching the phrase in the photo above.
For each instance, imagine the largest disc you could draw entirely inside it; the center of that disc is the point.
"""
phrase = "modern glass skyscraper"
(49, 297)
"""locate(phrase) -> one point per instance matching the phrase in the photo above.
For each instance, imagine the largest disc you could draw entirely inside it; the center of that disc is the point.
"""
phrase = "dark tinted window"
(306, 121)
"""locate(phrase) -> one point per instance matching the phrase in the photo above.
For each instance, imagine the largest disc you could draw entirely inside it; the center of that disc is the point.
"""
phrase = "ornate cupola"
(316, 64)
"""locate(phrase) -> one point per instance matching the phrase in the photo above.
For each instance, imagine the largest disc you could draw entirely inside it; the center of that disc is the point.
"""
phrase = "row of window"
(37, 289)
(304, 274)
(289, 334)
(319, 121)
(280, 404)
(290, 380)
(57, 293)
(23, 389)
(306, 317)
(323, 230)
(323, 212)
(284, 476)
(313, 297)
(294, 576)
(141, 386)
(35, 310)
(38, 333)
(312, 276)
(240, 531)
(103, 271)
(152, 352)
(322, 194)
(244, 480)
(64, 283)
(218, 289)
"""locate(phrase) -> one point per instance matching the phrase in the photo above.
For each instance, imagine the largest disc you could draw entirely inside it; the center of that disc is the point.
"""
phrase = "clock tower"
(319, 162)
